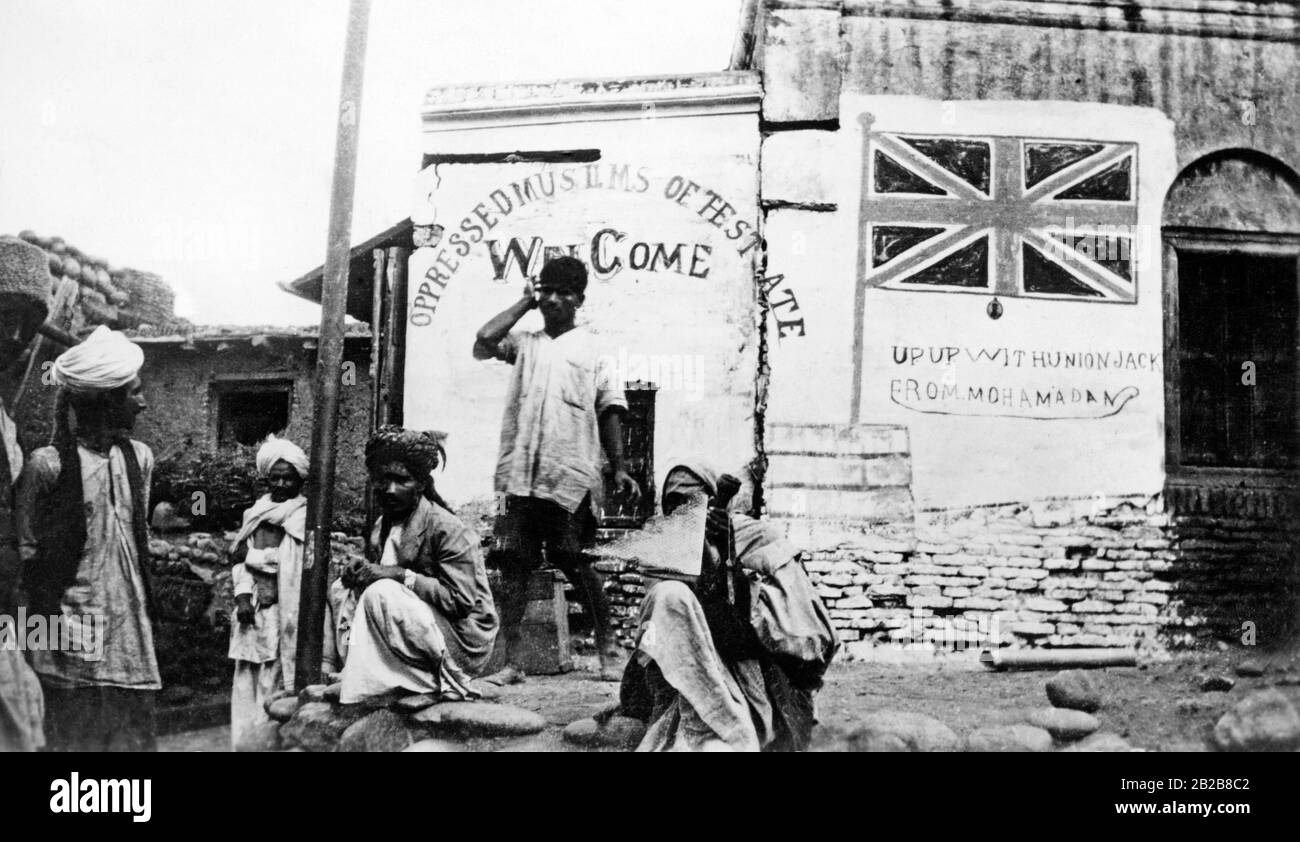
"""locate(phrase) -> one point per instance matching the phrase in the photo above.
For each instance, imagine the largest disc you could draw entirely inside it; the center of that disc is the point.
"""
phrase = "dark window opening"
(638, 459)
(1237, 337)
(248, 412)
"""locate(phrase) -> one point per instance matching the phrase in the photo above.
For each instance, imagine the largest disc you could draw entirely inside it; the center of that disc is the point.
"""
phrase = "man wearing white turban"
(82, 503)
(104, 361)
(268, 553)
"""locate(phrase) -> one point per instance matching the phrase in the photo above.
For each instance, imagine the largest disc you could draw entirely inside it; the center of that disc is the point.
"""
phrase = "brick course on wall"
(1007, 575)
(1122, 575)
(179, 389)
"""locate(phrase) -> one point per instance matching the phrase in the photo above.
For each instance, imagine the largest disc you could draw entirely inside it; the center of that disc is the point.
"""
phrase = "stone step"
(835, 439)
(479, 719)
(838, 471)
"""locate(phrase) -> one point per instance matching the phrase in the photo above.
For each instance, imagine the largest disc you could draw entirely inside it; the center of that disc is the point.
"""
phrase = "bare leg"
(591, 593)
(512, 602)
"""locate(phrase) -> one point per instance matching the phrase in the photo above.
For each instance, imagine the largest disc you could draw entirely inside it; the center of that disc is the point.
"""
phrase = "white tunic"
(108, 583)
(550, 438)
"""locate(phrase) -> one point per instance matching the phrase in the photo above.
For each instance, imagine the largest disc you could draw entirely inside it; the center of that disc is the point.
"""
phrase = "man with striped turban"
(267, 574)
(418, 616)
(24, 303)
(82, 504)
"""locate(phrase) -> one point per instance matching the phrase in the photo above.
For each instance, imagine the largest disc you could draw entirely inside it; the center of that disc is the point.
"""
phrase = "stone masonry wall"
(195, 598)
(1015, 575)
(1121, 574)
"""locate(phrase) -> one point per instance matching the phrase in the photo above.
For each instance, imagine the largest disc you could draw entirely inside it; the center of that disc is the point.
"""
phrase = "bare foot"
(505, 676)
(479, 688)
(612, 665)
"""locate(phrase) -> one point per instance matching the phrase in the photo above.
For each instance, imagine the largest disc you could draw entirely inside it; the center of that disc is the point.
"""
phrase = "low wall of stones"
(1001, 576)
(625, 588)
(194, 595)
(1118, 573)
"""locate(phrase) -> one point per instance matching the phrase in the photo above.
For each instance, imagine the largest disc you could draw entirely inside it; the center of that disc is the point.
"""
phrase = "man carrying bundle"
(82, 504)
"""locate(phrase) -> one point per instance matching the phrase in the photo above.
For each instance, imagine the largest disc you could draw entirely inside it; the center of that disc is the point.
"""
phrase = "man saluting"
(563, 405)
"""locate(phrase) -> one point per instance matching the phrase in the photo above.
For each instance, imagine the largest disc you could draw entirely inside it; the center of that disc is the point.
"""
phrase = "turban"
(277, 449)
(419, 451)
(104, 361)
(25, 275)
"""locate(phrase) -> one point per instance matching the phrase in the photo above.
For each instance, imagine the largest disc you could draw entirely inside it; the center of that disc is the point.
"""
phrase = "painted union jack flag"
(1010, 216)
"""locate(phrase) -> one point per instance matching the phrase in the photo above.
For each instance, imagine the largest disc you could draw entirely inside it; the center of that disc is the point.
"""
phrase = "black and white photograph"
(599, 376)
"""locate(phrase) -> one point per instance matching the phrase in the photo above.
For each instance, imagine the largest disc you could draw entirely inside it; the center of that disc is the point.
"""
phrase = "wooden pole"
(57, 334)
(329, 361)
(378, 417)
(49, 331)
(1056, 659)
(379, 292)
(394, 373)
(742, 49)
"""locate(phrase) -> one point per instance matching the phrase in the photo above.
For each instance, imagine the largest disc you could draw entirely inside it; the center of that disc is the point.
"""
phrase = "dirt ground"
(1155, 706)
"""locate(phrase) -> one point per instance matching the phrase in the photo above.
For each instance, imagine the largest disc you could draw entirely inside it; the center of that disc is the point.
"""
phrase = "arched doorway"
(1232, 325)
(1232, 243)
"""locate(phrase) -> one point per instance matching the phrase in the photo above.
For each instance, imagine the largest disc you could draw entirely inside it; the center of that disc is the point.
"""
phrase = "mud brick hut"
(213, 387)
(209, 388)
(997, 300)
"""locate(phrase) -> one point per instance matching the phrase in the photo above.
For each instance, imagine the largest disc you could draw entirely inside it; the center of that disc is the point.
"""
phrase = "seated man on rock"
(419, 616)
(731, 660)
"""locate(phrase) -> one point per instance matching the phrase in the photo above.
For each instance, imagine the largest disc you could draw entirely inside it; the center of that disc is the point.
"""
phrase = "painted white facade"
(659, 200)
(1091, 429)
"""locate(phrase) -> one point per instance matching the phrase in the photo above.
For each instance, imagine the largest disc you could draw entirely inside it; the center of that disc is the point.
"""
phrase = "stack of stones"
(1075, 697)
(316, 721)
(625, 589)
(101, 299)
(1069, 724)
(194, 595)
(198, 558)
(204, 557)
(1008, 575)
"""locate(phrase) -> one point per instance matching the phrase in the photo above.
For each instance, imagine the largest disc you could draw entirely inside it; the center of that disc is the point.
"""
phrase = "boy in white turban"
(268, 552)
(82, 503)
